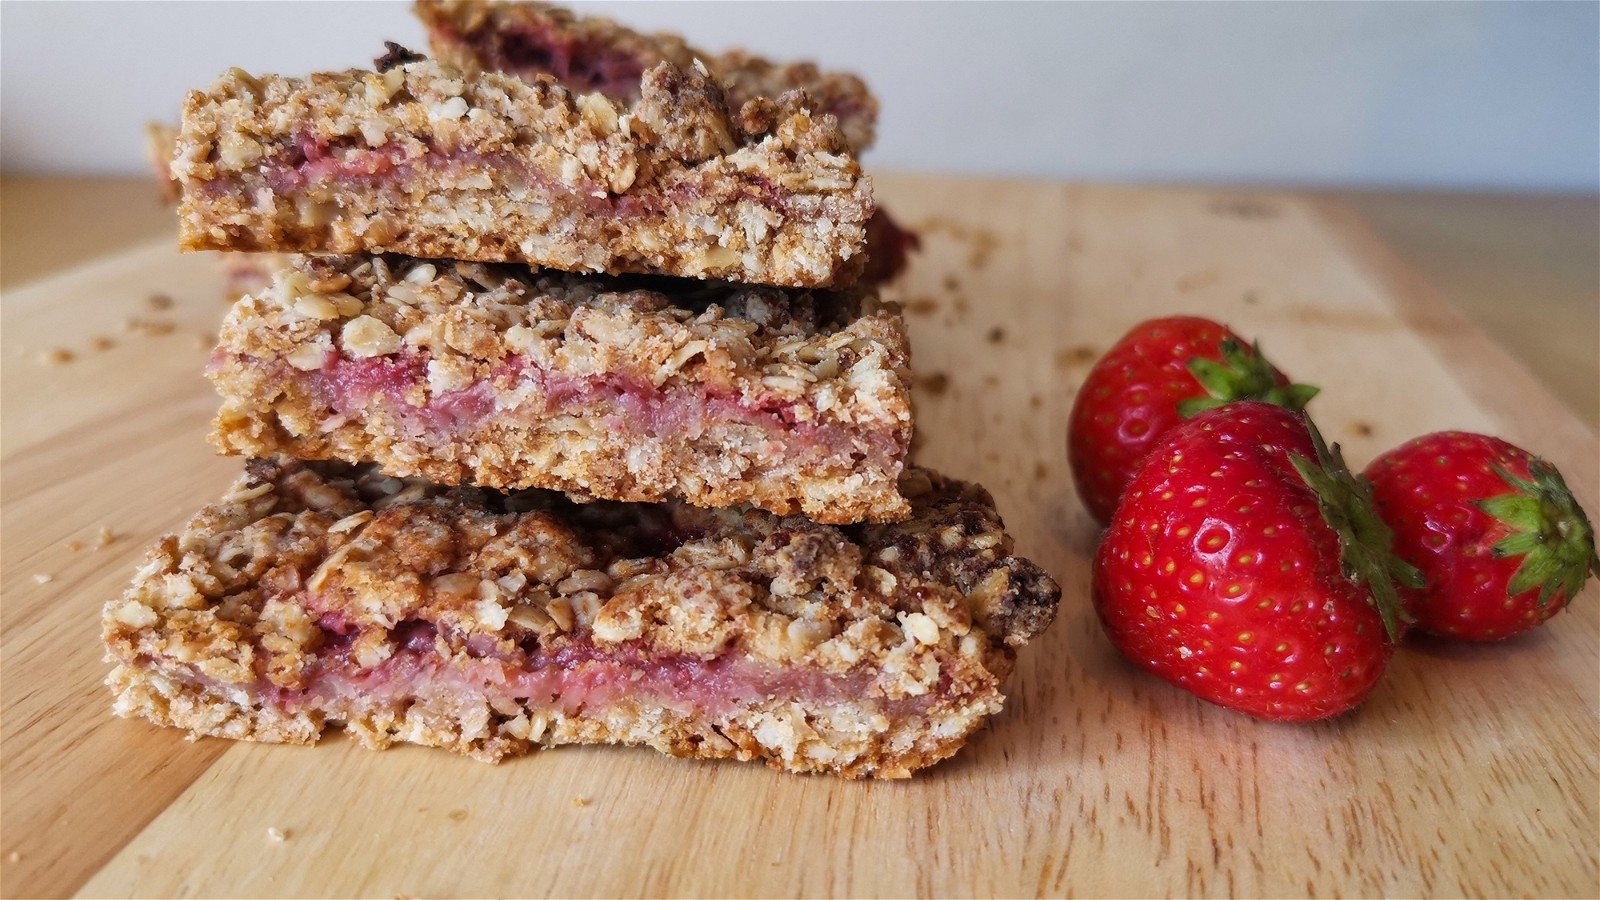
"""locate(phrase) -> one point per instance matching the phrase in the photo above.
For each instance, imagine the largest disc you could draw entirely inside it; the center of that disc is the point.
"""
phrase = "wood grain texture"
(1471, 770)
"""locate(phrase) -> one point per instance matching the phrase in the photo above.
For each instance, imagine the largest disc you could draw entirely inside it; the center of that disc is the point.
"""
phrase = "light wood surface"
(1472, 770)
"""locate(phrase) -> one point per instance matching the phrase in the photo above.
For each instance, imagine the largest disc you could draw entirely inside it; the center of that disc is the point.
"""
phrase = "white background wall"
(1474, 95)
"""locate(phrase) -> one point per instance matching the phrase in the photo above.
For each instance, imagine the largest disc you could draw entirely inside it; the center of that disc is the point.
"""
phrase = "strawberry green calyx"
(1243, 374)
(1365, 541)
(1549, 531)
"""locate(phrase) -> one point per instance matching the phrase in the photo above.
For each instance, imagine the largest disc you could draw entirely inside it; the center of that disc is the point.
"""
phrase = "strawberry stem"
(1549, 531)
(1243, 374)
(1365, 541)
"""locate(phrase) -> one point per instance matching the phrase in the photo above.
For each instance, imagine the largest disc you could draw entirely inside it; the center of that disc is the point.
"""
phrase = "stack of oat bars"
(575, 419)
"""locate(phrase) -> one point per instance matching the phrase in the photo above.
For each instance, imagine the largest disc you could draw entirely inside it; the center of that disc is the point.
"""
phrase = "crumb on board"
(935, 383)
(56, 356)
(1242, 208)
(1076, 356)
(105, 537)
(997, 335)
(74, 546)
(922, 306)
(1360, 428)
(159, 301)
(150, 327)
(580, 802)
(1196, 280)
(1041, 471)
(203, 341)
(43, 578)
(101, 343)
(981, 242)
(278, 835)
(1035, 401)
(13, 857)
(952, 283)
(458, 815)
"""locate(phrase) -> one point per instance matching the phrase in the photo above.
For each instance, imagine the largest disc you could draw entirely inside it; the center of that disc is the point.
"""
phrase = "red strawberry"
(1161, 372)
(1498, 537)
(1245, 565)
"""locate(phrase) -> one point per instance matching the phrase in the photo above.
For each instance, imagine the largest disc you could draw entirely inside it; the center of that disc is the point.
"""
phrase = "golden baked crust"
(592, 53)
(424, 160)
(494, 624)
(619, 388)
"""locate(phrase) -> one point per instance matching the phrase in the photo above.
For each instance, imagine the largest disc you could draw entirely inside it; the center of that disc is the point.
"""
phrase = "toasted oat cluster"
(494, 624)
(626, 388)
(591, 53)
(425, 160)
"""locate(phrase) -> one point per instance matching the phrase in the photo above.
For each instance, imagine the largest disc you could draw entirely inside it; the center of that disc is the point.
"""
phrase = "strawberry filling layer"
(625, 406)
(572, 678)
(308, 163)
(586, 64)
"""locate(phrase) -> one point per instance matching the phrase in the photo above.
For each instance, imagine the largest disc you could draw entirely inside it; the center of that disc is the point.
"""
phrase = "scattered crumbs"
(151, 327)
(992, 456)
(1196, 280)
(56, 356)
(922, 306)
(277, 834)
(580, 802)
(43, 578)
(983, 244)
(997, 335)
(952, 283)
(101, 343)
(1242, 208)
(105, 537)
(159, 301)
(1041, 471)
(1360, 428)
(981, 240)
(1252, 297)
(1076, 356)
(1035, 401)
(458, 815)
(74, 546)
(203, 341)
(991, 379)
(935, 383)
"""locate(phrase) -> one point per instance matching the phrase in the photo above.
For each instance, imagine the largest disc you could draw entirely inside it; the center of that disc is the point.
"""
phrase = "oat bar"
(628, 388)
(423, 160)
(317, 594)
(590, 53)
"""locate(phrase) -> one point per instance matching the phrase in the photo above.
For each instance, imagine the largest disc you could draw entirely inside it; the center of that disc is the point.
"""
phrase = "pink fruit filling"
(573, 678)
(308, 162)
(587, 65)
(625, 405)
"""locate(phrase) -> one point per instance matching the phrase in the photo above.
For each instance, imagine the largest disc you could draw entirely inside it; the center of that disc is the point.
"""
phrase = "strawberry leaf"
(1548, 530)
(1365, 541)
(1242, 374)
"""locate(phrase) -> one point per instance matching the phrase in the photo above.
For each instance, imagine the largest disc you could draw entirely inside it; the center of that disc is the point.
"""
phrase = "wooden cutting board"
(1472, 770)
